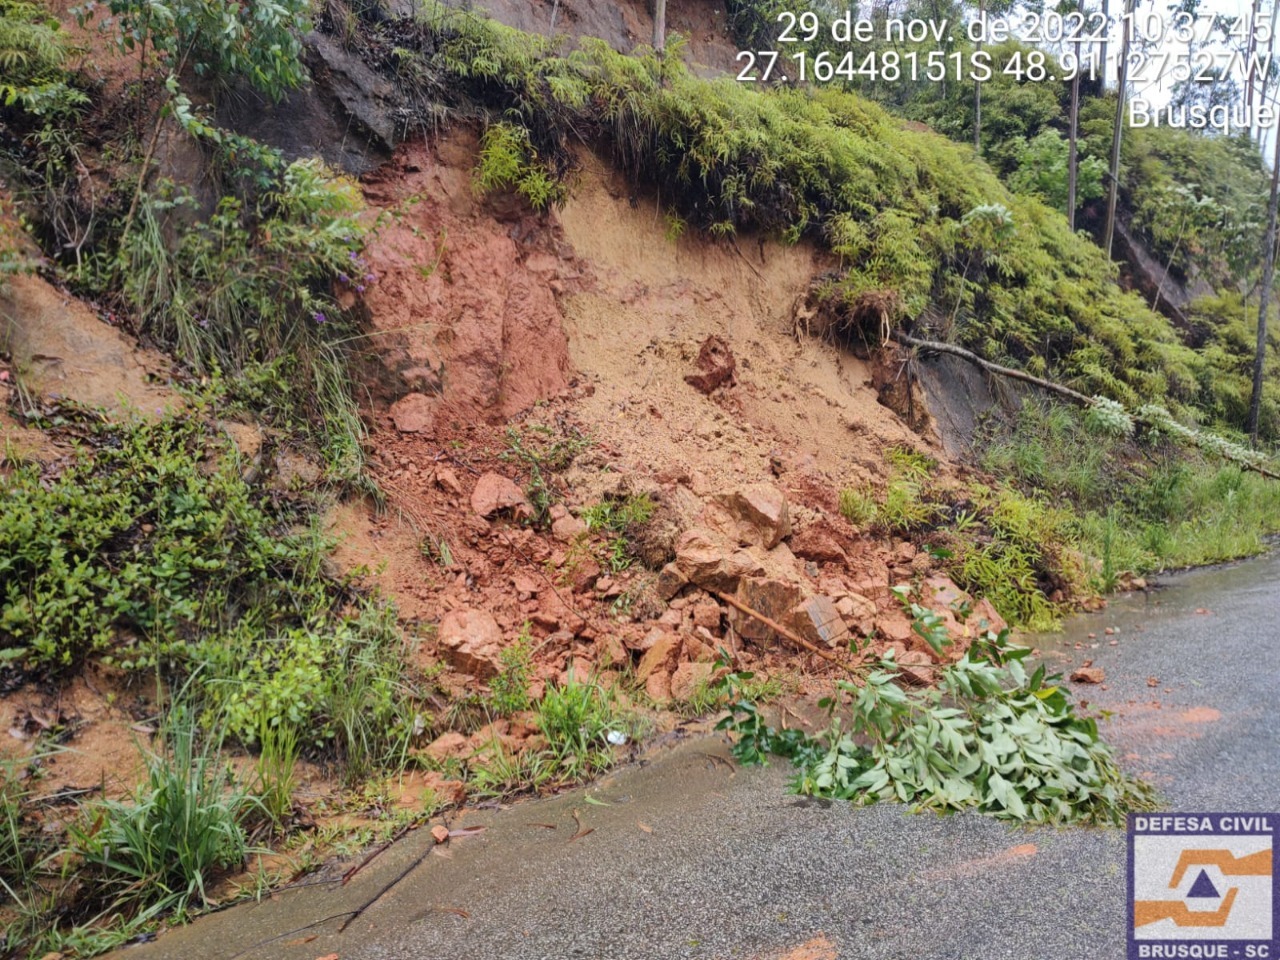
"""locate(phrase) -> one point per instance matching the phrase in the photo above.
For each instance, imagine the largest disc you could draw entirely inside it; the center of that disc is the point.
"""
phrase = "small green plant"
(544, 453)
(509, 690)
(185, 825)
(436, 549)
(622, 520)
(508, 161)
(905, 508)
(724, 686)
(859, 507)
(279, 748)
(906, 462)
(577, 718)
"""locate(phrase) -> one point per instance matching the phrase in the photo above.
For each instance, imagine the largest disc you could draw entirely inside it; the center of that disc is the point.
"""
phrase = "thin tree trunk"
(1073, 159)
(1251, 48)
(977, 85)
(1114, 170)
(555, 10)
(659, 24)
(1268, 276)
(1102, 48)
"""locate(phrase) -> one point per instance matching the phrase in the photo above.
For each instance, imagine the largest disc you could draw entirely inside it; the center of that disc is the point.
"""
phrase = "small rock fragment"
(1088, 675)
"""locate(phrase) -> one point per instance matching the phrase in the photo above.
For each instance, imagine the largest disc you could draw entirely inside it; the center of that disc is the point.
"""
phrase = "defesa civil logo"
(1202, 886)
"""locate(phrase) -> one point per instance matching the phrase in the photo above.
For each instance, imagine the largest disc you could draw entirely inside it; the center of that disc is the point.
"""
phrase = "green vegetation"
(999, 544)
(543, 452)
(582, 722)
(152, 552)
(1137, 503)
(218, 39)
(160, 850)
(988, 737)
(253, 289)
(723, 687)
(621, 521)
(509, 690)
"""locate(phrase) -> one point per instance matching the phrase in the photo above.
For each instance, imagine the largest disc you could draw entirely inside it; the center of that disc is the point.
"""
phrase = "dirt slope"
(587, 322)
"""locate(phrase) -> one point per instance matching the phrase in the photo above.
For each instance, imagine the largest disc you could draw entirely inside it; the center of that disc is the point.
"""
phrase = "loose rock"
(716, 366)
(758, 513)
(472, 641)
(494, 493)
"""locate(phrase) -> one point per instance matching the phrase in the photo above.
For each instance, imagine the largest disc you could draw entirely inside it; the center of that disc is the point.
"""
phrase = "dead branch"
(935, 346)
(781, 630)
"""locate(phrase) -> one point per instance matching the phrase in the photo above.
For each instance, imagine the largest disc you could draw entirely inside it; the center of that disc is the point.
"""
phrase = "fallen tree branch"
(780, 629)
(935, 346)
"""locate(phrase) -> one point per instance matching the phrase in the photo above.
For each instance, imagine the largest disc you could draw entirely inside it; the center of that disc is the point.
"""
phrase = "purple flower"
(343, 278)
(370, 277)
(359, 288)
(318, 317)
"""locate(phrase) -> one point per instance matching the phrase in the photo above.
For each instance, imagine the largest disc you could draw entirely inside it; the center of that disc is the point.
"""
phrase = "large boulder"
(471, 640)
(754, 514)
(819, 621)
(774, 599)
(707, 561)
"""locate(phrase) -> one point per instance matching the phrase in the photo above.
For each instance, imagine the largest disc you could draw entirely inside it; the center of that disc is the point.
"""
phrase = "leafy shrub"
(509, 690)
(1042, 171)
(988, 737)
(149, 549)
(222, 39)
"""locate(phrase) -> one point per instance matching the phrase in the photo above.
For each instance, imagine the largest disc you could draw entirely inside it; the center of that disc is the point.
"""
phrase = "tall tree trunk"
(1123, 82)
(1102, 48)
(1073, 158)
(977, 85)
(1251, 48)
(1266, 77)
(1268, 277)
(659, 24)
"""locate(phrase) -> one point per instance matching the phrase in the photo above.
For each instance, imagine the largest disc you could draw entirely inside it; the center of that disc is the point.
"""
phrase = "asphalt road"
(692, 858)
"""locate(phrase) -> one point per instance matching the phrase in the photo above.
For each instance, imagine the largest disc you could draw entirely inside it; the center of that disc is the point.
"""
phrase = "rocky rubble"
(821, 582)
